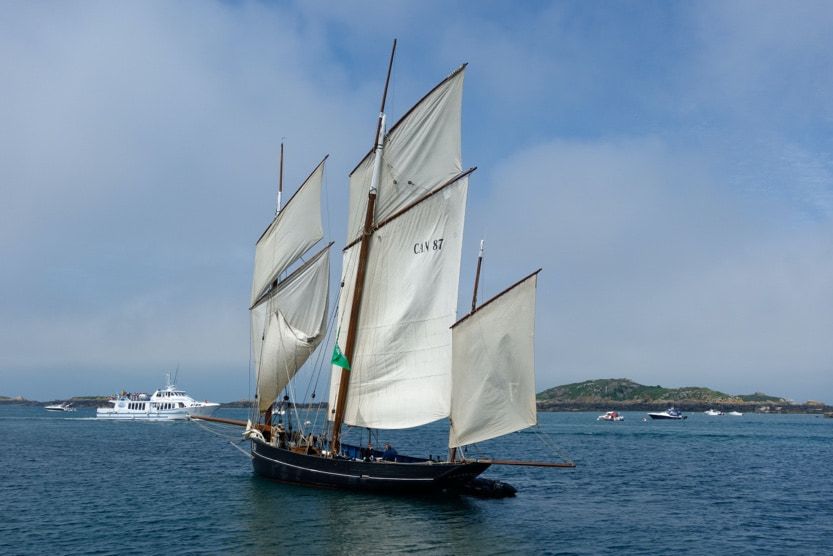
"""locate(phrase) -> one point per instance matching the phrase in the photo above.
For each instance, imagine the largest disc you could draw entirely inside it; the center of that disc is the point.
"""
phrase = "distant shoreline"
(603, 394)
(691, 407)
(543, 406)
(103, 401)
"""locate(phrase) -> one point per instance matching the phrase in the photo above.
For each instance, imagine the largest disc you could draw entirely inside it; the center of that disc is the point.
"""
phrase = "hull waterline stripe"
(360, 477)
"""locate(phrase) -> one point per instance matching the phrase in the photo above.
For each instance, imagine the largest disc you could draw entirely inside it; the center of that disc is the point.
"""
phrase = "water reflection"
(290, 517)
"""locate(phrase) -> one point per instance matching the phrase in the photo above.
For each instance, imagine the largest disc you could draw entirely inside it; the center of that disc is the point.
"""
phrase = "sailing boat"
(401, 359)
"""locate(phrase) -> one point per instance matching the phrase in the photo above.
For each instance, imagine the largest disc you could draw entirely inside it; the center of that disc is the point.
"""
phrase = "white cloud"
(669, 168)
(139, 167)
(654, 269)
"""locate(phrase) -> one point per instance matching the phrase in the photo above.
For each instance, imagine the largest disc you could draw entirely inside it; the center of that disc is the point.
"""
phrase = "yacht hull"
(170, 415)
(419, 476)
(205, 410)
(179, 414)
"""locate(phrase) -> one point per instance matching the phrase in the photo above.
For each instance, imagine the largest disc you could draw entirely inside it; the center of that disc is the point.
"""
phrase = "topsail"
(293, 231)
(421, 152)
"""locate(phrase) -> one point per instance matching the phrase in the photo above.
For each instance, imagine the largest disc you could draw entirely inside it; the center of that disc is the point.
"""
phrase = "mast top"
(280, 181)
(387, 79)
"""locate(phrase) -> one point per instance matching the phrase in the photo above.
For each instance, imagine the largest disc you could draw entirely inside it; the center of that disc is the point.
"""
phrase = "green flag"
(339, 359)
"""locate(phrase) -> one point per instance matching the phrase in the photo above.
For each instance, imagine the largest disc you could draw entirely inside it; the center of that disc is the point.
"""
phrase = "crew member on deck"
(390, 453)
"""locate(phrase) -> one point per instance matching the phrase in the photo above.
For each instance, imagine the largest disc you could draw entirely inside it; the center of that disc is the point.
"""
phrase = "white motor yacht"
(713, 412)
(166, 404)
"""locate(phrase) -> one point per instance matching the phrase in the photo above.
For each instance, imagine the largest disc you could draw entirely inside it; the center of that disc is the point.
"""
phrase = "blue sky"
(668, 164)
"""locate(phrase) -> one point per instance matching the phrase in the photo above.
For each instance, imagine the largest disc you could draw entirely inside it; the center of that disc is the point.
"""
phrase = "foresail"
(296, 228)
(288, 325)
(400, 369)
(493, 376)
(421, 152)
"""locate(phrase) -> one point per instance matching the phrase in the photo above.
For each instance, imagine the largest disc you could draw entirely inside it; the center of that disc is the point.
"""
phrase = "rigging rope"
(206, 428)
(549, 443)
(244, 452)
(224, 437)
(318, 367)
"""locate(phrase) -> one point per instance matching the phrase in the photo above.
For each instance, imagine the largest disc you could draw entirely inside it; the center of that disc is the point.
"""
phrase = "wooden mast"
(267, 415)
(358, 289)
(452, 452)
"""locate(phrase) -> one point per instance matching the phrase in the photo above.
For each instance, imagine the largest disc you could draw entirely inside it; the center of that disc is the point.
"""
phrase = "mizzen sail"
(493, 367)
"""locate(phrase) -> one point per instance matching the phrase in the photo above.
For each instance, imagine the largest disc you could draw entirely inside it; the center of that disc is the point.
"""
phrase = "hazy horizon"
(150, 390)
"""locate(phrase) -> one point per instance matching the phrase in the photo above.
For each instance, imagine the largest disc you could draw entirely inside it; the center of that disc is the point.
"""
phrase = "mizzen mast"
(267, 414)
(452, 452)
(477, 278)
(367, 231)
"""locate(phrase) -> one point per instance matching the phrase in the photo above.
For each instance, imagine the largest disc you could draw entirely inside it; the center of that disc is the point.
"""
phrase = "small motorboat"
(66, 406)
(610, 416)
(670, 413)
(735, 414)
(713, 412)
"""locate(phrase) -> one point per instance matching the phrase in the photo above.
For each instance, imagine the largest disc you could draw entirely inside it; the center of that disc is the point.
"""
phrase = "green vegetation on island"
(625, 394)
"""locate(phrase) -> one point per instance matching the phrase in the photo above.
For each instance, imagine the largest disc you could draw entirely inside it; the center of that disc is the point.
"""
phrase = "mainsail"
(401, 367)
(289, 316)
(493, 376)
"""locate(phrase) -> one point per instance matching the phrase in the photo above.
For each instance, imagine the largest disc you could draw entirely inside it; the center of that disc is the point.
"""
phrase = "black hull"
(420, 477)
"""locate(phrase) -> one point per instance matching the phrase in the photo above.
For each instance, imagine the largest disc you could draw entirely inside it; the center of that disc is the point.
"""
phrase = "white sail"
(288, 326)
(296, 228)
(493, 376)
(421, 152)
(401, 364)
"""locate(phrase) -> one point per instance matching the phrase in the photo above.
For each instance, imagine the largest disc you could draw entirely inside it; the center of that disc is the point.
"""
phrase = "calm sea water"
(757, 484)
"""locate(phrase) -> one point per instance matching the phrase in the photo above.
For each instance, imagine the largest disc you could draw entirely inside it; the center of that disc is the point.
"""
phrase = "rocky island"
(624, 394)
